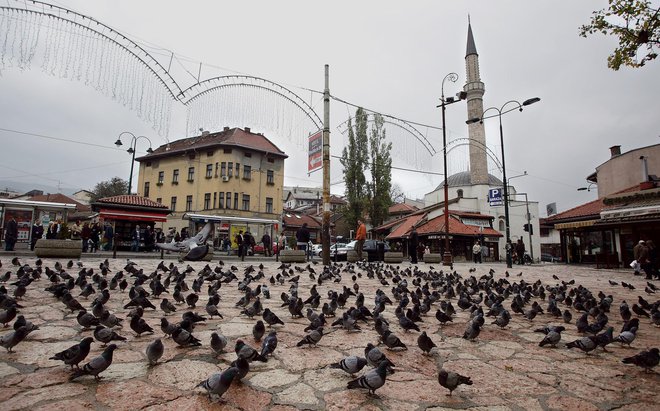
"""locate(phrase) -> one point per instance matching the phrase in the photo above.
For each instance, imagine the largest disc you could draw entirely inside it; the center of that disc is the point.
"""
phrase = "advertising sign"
(495, 197)
(315, 153)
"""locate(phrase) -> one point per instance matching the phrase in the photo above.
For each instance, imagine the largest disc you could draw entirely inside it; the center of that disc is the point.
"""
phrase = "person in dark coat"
(520, 251)
(85, 234)
(651, 268)
(37, 233)
(268, 245)
(107, 236)
(94, 238)
(302, 238)
(149, 239)
(239, 242)
(413, 243)
(11, 234)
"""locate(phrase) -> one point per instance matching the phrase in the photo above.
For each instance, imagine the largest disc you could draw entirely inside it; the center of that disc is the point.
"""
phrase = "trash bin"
(380, 251)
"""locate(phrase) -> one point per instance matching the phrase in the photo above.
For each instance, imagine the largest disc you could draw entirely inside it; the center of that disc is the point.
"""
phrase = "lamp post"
(131, 151)
(501, 111)
(444, 102)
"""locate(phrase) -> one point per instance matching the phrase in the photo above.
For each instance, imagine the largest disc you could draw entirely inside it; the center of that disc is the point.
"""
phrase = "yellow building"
(234, 173)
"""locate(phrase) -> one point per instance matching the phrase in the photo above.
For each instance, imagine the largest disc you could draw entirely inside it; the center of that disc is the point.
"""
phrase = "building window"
(215, 199)
(247, 172)
(459, 193)
(209, 170)
(159, 200)
(188, 203)
(223, 169)
(191, 156)
(246, 202)
(235, 201)
(221, 200)
(207, 201)
(230, 169)
(270, 177)
(269, 205)
(501, 225)
(146, 189)
(161, 177)
(191, 173)
(209, 153)
(270, 160)
(238, 168)
(173, 204)
(248, 155)
(175, 176)
(228, 199)
(227, 151)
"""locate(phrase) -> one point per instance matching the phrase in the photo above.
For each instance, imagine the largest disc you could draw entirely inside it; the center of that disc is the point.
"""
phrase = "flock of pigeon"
(411, 293)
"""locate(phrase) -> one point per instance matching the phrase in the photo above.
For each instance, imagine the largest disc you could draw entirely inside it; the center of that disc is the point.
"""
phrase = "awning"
(575, 224)
(111, 214)
(232, 219)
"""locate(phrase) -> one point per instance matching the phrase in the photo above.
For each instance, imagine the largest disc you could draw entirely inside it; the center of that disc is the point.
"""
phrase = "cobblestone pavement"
(508, 368)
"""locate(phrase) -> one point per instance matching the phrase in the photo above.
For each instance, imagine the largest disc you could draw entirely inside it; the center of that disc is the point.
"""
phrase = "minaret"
(475, 106)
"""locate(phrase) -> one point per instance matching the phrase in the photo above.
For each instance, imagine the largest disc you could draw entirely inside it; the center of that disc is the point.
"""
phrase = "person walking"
(476, 252)
(136, 237)
(94, 238)
(520, 251)
(149, 239)
(652, 265)
(639, 252)
(302, 238)
(37, 233)
(413, 242)
(281, 244)
(239, 242)
(11, 234)
(360, 236)
(268, 245)
(107, 236)
(85, 234)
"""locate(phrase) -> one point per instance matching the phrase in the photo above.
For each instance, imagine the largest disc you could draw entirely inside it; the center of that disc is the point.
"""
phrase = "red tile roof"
(402, 208)
(581, 212)
(290, 219)
(61, 198)
(406, 225)
(456, 227)
(234, 137)
(133, 201)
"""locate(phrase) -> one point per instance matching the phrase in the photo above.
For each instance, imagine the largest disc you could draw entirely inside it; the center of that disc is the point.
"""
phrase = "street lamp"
(131, 151)
(444, 102)
(501, 111)
(588, 188)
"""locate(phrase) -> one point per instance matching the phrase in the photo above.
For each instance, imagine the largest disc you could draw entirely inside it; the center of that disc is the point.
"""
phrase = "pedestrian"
(476, 252)
(226, 245)
(136, 237)
(76, 228)
(268, 245)
(652, 265)
(184, 233)
(11, 234)
(360, 236)
(520, 251)
(85, 234)
(108, 233)
(639, 252)
(37, 233)
(239, 242)
(149, 239)
(51, 233)
(94, 237)
(302, 238)
(281, 244)
(413, 243)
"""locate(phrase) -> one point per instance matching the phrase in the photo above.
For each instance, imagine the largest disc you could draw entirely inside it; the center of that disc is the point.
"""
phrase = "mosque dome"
(463, 179)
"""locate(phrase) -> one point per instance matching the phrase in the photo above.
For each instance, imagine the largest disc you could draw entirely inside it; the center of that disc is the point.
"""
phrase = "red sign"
(315, 154)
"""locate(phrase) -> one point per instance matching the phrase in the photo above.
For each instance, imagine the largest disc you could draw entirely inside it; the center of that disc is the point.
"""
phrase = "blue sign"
(495, 197)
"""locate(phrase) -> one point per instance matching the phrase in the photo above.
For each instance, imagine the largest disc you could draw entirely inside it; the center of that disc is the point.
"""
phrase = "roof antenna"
(468, 18)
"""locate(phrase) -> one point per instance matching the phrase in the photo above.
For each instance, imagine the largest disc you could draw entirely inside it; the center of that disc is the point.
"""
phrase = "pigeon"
(11, 339)
(97, 365)
(269, 344)
(442, 317)
(110, 320)
(392, 341)
(407, 324)
(552, 337)
(219, 383)
(218, 342)
(271, 318)
(167, 306)
(371, 380)
(586, 344)
(8, 315)
(503, 319)
(258, 330)
(375, 356)
(605, 338)
(627, 337)
(645, 359)
(74, 354)
(312, 338)
(184, 338)
(105, 335)
(451, 380)
(567, 316)
(425, 343)
(212, 311)
(472, 331)
(166, 327)
(351, 364)
(22, 322)
(245, 351)
(154, 351)
(191, 299)
(243, 367)
(140, 326)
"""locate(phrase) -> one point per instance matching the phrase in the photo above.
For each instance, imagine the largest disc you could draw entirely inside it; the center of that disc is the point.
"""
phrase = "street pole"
(130, 177)
(131, 150)
(325, 237)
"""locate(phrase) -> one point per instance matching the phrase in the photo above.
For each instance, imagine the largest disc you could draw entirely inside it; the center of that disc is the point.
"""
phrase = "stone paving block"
(299, 395)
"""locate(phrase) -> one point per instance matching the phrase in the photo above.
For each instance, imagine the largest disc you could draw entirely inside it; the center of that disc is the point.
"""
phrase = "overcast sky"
(382, 55)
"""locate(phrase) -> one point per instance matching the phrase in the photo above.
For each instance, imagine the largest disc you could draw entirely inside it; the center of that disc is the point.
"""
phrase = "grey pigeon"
(586, 344)
(407, 324)
(552, 337)
(218, 384)
(74, 354)
(351, 364)
(375, 356)
(167, 306)
(271, 318)
(105, 335)
(243, 367)
(567, 316)
(140, 326)
(245, 351)
(154, 351)
(472, 331)
(258, 330)
(166, 327)
(312, 338)
(605, 338)
(371, 380)
(451, 380)
(184, 338)
(212, 311)
(8, 315)
(97, 365)
(110, 320)
(645, 359)
(269, 344)
(392, 341)
(425, 343)
(218, 342)
(627, 337)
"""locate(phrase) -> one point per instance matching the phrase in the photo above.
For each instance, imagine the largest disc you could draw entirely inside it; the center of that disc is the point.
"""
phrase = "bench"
(293, 256)
(58, 248)
(394, 257)
(434, 258)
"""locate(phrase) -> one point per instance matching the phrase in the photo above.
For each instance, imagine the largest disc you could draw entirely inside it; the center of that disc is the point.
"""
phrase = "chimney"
(226, 129)
(247, 129)
(615, 151)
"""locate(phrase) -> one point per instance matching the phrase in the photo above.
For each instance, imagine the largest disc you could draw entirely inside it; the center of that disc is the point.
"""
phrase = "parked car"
(259, 248)
(316, 250)
(370, 248)
(549, 258)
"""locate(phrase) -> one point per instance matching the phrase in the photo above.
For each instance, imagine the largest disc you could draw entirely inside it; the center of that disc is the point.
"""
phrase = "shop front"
(27, 212)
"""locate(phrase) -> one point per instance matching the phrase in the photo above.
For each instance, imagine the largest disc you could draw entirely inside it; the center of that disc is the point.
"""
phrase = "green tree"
(115, 187)
(354, 160)
(381, 173)
(635, 23)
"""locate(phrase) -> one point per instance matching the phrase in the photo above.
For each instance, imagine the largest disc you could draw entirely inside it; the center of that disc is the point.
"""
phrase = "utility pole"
(325, 237)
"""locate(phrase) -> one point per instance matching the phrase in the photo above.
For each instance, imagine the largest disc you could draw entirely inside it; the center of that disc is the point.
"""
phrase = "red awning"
(133, 215)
